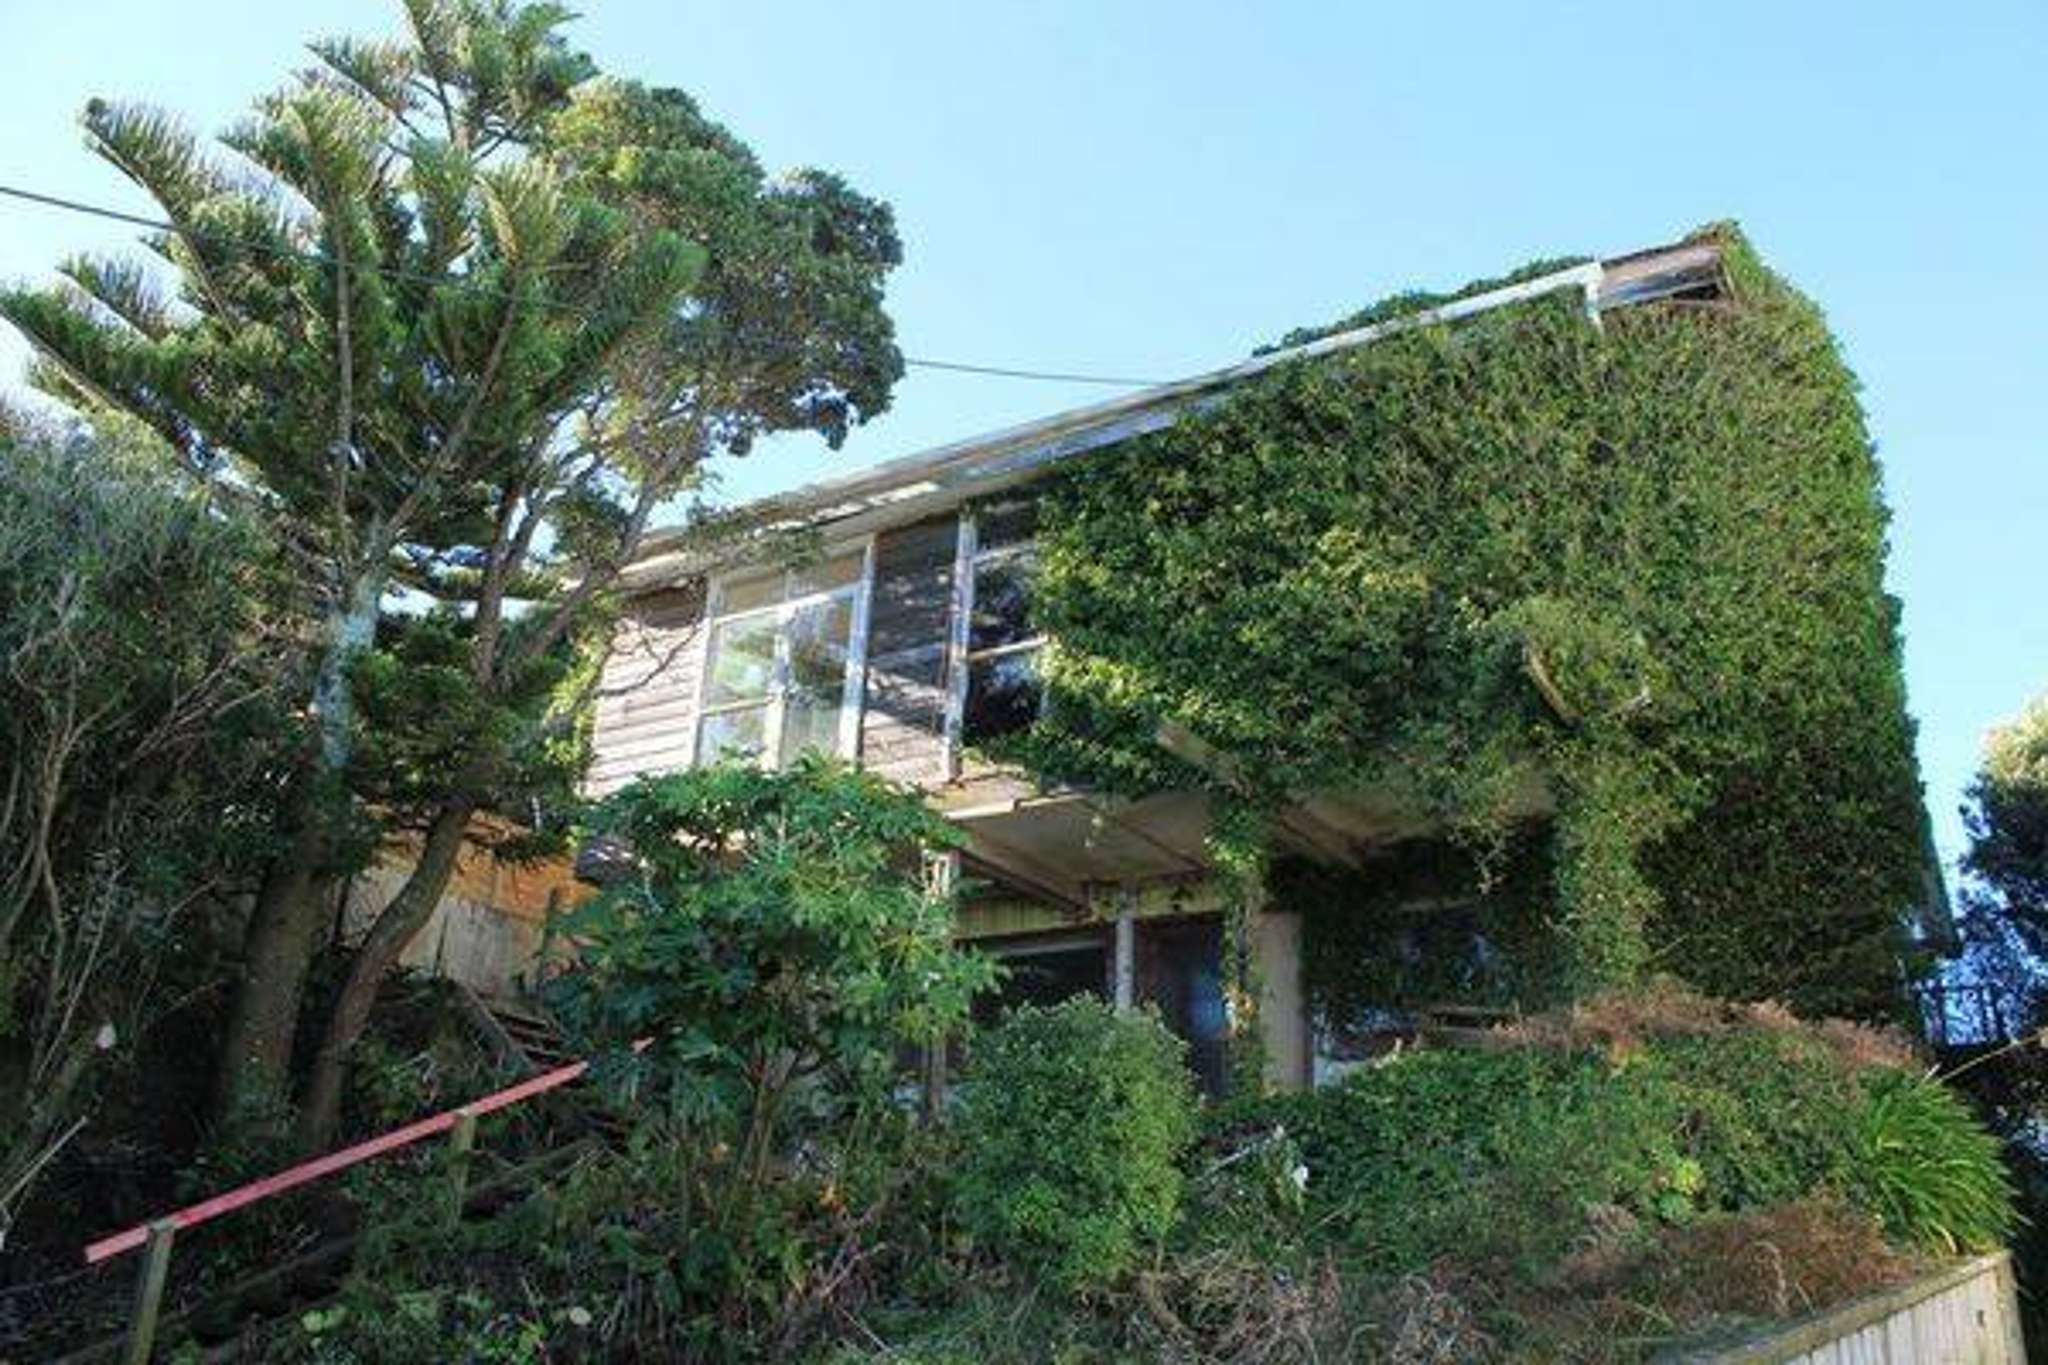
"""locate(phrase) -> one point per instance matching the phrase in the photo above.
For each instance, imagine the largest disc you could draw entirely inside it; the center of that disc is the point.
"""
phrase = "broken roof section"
(929, 481)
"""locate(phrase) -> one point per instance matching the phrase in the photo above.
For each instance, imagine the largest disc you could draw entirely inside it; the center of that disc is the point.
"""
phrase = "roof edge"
(941, 474)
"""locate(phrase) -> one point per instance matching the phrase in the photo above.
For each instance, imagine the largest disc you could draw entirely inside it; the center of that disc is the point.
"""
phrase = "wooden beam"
(1025, 873)
(1115, 814)
(1298, 820)
(1320, 835)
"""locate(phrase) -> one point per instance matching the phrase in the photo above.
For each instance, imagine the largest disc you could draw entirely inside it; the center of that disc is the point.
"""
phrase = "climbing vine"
(1240, 849)
(1623, 578)
(1425, 922)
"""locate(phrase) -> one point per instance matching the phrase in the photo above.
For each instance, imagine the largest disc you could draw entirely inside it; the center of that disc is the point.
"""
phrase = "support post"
(149, 1289)
(1285, 1033)
(1126, 965)
(935, 1082)
(942, 879)
(461, 1142)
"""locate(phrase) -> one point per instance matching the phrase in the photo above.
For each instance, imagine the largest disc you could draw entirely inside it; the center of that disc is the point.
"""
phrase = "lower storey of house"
(1061, 927)
(1160, 948)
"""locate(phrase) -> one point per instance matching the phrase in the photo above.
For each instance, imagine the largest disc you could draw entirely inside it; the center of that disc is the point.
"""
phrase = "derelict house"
(906, 643)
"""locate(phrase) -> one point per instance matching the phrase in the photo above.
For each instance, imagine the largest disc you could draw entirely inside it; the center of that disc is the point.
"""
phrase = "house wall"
(489, 930)
(911, 690)
(646, 714)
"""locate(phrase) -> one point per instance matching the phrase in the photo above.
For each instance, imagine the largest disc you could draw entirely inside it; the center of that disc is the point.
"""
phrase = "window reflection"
(781, 671)
(1002, 695)
(1003, 643)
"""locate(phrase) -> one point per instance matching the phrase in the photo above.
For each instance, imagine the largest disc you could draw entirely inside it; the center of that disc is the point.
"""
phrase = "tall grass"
(1927, 1168)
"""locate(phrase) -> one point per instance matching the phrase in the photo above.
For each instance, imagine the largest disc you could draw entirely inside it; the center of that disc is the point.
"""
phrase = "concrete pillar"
(1284, 1029)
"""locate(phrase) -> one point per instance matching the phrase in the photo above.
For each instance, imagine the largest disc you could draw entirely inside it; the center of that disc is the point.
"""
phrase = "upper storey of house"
(908, 640)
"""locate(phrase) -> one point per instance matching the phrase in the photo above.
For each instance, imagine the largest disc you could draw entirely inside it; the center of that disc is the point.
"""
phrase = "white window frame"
(860, 592)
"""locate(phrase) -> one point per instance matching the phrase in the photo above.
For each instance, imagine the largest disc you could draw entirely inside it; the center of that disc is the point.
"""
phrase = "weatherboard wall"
(647, 710)
(646, 713)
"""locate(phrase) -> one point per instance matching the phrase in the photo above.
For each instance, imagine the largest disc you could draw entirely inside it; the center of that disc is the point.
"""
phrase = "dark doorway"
(1180, 971)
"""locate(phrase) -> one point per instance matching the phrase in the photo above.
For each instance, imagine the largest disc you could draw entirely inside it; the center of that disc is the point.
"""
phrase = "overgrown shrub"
(1632, 1289)
(1518, 1155)
(1768, 1263)
(637, 1255)
(139, 661)
(1071, 1130)
(776, 939)
(777, 944)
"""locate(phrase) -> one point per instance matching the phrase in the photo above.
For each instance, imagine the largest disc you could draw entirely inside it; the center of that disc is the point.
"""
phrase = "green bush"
(1523, 1155)
(776, 937)
(1071, 1132)
(1929, 1169)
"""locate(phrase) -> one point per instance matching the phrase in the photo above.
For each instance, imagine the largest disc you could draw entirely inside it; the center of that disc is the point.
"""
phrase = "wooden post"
(461, 1142)
(935, 1082)
(942, 877)
(1124, 965)
(149, 1289)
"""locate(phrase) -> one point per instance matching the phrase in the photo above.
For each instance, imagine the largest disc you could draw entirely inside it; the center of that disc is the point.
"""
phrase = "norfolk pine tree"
(449, 349)
(784, 331)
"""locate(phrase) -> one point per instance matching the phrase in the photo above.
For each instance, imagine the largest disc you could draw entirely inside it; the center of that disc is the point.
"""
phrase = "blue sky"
(1151, 189)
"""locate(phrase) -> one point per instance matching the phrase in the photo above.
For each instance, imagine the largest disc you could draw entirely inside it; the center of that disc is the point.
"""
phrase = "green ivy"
(1628, 574)
(1424, 922)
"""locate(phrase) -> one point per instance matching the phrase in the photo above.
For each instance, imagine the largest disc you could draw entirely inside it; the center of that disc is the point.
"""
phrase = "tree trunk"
(350, 630)
(284, 930)
(395, 926)
(300, 884)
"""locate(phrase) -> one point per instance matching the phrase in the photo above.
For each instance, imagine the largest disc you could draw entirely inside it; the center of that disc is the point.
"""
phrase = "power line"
(1033, 374)
(392, 272)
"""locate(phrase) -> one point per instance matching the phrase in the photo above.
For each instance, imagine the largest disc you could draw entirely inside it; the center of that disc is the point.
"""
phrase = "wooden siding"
(489, 930)
(646, 718)
(903, 720)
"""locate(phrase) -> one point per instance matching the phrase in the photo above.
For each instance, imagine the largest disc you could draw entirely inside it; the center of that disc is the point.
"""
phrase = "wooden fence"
(1965, 1315)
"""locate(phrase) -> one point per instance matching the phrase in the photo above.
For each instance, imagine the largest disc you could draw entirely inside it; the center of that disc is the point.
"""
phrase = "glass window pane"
(1002, 695)
(1045, 977)
(835, 572)
(732, 734)
(742, 659)
(1002, 602)
(818, 638)
(1011, 523)
(762, 589)
(809, 721)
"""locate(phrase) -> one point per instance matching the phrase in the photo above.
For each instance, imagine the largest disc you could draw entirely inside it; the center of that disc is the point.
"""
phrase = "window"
(783, 673)
(1043, 972)
(1003, 690)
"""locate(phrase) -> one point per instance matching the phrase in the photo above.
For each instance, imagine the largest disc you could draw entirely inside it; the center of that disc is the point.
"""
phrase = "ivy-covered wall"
(1636, 565)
